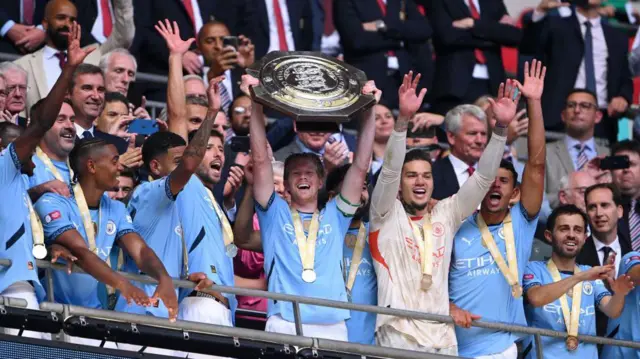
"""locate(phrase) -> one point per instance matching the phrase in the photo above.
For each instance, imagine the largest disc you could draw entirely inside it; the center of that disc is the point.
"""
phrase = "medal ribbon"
(425, 244)
(227, 233)
(306, 245)
(571, 319)
(36, 226)
(510, 272)
(356, 259)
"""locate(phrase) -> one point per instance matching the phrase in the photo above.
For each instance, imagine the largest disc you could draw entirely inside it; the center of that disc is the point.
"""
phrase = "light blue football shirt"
(42, 173)
(203, 236)
(550, 316)
(60, 214)
(155, 216)
(361, 327)
(284, 266)
(477, 285)
(627, 325)
(15, 225)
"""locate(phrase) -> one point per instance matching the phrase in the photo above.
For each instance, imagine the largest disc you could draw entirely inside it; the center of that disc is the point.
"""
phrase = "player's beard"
(413, 208)
(362, 213)
(557, 249)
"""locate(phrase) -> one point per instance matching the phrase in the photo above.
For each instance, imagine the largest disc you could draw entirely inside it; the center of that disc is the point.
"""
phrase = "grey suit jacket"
(286, 151)
(558, 165)
(121, 36)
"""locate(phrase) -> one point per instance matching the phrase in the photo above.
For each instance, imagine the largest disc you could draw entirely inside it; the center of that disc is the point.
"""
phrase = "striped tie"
(634, 225)
(225, 99)
(582, 156)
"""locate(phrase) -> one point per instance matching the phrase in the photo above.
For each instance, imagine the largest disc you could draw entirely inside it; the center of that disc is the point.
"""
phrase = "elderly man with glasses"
(15, 93)
(579, 147)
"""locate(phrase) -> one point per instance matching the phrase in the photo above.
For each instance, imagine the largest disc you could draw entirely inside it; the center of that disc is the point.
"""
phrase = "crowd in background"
(190, 194)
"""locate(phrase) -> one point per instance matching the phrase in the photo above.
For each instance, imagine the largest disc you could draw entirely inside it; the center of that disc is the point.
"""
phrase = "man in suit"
(18, 33)
(375, 35)
(466, 127)
(468, 36)
(45, 65)
(87, 97)
(15, 89)
(190, 15)
(604, 209)
(224, 60)
(580, 116)
(628, 180)
(580, 51)
(282, 25)
(573, 187)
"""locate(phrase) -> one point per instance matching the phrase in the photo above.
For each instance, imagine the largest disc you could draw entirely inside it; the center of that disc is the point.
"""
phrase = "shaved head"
(53, 6)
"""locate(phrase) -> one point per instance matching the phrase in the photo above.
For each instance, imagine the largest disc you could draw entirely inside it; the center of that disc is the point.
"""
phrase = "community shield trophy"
(318, 91)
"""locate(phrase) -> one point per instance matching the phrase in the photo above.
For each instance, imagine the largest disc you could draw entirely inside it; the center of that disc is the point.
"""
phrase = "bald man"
(44, 66)
(573, 188)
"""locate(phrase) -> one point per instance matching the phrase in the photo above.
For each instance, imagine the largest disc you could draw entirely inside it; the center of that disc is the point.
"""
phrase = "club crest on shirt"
(111, 228)
(213, 269)
(438, 229)
(178, 230)
(587, 288)
(350, 240)
(52, 216)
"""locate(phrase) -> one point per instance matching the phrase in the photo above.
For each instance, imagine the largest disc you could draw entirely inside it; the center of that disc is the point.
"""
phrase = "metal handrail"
(297, 300)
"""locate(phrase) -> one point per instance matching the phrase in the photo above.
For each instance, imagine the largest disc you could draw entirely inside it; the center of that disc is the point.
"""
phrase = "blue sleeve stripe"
(271, 199)
(124, 232)
(14, 157)
(631, 266)
(531, 285)
(59, 232)
(602, 295)
(167, 189)
(526, 215)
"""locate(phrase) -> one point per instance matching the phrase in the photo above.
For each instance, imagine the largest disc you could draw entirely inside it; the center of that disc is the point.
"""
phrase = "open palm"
(171, 35)
(213, 92)
(76, 54)
(410, 102)
(504, 109)
(533, 80)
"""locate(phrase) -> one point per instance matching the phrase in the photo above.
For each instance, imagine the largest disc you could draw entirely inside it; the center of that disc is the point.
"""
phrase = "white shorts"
(388, 336)
(510, 353)
(204, 310)
(336, 331)
(24, 290)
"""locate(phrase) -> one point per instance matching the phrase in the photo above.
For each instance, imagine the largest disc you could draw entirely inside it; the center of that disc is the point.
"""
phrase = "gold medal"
(306, 244)
(571, 343)
(425, 243)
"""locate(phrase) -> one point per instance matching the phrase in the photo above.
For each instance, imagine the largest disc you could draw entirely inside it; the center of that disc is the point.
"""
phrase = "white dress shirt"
(480, 71)
(615, 246)
(274, 39)
(600, 55)
(97, 29)
(51, 66)
(461, 169)
(80, 130)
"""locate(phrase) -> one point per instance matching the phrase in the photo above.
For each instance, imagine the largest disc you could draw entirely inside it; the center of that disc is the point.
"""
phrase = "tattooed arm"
(196, 149)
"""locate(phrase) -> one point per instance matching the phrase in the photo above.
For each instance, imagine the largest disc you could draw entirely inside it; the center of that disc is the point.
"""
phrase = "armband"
(347, 208)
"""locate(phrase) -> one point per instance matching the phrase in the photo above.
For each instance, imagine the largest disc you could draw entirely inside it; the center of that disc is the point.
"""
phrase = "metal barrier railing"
(297, 300)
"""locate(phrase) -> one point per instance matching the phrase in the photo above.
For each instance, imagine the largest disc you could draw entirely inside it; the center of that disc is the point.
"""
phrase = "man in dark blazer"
(466, 127)
(16, 23)
(375, 35)
(579, 50)
(628, 181)
(468, 37)
(150, 48)
(299, 25)
(604, 209)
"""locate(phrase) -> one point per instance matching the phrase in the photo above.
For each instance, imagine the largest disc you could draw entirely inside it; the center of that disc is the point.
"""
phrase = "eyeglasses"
(12, 88)
(571, 105)
(239, 110)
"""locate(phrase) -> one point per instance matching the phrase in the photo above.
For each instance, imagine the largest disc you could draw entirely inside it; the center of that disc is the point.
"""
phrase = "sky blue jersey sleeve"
(9, 165)
(531, 277)
(55, 214)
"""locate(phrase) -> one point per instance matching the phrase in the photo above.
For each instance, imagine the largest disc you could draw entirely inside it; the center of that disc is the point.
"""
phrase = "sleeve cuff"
(124, 232)
(59, 232)
(531, 285)
(14, 157)
(6, 27)
(271, 199)
(167, 189)
(602, 295)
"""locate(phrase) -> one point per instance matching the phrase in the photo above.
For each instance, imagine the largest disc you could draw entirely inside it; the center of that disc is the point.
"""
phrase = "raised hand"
(213, 92)
(246, 52)
(171, 35)
(504, 110)
(623, 285)
(247, 82)
(76, 54)
(370, 89)
(533, 80)
(410, 102)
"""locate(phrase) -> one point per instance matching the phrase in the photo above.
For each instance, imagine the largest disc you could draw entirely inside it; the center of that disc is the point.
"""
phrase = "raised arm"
(541, 295)
(475, 188)
(533, 176)
(386, 189)
(353, 180)
(262, 170)
(149, 263)
(124, 29)
(196, 149)
(176, 103)
(243, 234)
(48, 112)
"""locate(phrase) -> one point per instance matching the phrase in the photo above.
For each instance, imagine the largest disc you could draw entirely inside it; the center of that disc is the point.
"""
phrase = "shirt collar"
(306, 149)
(572, 142)
(595, 22)
(49, 52)
(80, 130)
(615, 245)
(459, 166)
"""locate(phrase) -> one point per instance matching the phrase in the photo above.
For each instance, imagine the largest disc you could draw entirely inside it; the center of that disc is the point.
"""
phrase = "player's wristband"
(346, 207)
